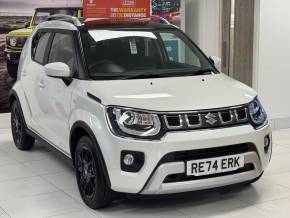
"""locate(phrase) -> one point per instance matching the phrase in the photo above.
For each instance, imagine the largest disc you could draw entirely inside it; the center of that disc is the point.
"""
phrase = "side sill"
(52, 148)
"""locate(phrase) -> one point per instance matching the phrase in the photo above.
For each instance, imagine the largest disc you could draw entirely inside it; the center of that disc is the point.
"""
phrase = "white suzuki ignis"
(138, 108)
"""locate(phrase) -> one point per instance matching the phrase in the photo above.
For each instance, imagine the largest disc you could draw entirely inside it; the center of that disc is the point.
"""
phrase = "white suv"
(138, 108)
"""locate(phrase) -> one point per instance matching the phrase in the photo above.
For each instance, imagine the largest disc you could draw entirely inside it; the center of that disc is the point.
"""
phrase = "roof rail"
(66, 18)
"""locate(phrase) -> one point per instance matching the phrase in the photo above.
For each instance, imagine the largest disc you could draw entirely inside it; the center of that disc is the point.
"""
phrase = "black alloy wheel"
(86, 170)
(90, 178)
(22, 140)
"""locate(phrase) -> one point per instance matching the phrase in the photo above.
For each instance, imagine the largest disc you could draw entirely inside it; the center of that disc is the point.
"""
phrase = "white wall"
(202, 23)
(272, 59)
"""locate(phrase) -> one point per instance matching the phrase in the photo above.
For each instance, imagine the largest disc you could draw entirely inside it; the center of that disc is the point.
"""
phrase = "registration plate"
(214, 165)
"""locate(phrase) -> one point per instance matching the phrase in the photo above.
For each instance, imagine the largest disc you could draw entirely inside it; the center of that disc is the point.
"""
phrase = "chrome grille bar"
(169, 125)
(206, 119)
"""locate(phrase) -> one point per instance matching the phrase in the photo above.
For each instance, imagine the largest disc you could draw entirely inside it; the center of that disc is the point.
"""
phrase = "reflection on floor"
(38, 184)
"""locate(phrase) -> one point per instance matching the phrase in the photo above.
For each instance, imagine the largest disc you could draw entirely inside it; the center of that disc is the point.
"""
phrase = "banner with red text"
(117, 9)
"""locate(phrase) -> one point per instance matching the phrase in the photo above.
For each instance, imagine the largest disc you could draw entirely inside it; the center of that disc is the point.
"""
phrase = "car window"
(113, 54)
(178, 51)
(62, 50)
(39, 45)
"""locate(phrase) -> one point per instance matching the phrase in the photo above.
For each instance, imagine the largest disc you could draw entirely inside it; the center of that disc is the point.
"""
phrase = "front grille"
(206, 119)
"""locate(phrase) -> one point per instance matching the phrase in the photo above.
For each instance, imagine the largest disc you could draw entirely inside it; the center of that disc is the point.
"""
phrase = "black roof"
(141, 24)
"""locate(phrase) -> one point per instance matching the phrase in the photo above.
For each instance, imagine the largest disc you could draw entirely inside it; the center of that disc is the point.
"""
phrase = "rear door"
(32, 79)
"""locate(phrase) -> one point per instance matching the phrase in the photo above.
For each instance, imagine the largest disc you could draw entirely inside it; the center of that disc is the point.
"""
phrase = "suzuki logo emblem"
(211, 119)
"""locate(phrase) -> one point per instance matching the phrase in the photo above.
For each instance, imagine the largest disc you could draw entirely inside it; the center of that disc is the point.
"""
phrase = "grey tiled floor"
(38, 184)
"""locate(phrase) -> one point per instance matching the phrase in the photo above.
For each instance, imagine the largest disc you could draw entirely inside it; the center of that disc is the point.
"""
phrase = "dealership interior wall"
(271, 73)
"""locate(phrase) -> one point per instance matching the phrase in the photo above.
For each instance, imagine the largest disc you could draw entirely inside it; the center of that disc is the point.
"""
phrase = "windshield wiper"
(203, 71)
(144, 76)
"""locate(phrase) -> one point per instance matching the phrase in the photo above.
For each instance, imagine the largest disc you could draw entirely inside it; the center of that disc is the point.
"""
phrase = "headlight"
(16, 41)
(127, 122)
(12, 41)
(257, 113)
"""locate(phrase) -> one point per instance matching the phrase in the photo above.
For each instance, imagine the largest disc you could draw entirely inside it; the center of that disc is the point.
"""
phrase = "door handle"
(41, 84)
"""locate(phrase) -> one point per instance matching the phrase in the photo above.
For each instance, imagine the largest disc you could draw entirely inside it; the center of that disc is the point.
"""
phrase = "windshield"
(115, 54)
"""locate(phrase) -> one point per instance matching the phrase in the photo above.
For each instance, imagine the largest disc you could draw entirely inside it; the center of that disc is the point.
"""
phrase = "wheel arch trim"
(88, 130)
(13, 95)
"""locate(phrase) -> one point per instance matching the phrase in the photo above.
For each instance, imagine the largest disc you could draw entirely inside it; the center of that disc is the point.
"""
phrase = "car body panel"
(165, 94)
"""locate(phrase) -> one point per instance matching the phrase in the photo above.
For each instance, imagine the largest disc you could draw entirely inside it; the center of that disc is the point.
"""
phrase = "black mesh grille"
(209, 153)
(182, 177)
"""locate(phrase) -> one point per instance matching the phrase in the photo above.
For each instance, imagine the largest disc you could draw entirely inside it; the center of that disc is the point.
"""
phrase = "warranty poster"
(124, 9)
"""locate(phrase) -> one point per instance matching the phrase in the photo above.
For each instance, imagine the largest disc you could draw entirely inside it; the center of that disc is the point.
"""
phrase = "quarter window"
(62, 50)
(39, 45)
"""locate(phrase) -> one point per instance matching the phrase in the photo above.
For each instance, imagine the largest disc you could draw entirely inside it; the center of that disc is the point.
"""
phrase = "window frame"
(64, 32)
(45, 49)
(78, 71)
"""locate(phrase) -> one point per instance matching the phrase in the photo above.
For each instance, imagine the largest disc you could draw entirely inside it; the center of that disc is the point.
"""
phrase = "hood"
(174, 93)
(21, 32)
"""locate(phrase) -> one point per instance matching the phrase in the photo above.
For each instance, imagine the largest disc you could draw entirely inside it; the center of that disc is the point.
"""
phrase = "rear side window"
(39, 45)
(62, 50)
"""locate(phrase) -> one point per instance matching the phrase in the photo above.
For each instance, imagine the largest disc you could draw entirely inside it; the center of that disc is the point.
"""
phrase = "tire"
(12, 69)
(90, 177)
(22, 140)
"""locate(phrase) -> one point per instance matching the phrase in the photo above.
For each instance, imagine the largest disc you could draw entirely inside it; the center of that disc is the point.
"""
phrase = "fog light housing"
(132, 161)
(267, 143)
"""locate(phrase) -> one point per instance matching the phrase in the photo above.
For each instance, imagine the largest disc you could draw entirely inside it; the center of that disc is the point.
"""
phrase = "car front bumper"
(150, 180)
(156, 183)
(12, 55)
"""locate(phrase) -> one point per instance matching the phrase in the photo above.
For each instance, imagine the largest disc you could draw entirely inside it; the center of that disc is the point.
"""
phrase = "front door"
(58, 93)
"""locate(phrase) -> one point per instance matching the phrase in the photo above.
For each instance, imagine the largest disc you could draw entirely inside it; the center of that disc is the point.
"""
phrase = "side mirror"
(57, 70)
(26, 24)
(216, 61)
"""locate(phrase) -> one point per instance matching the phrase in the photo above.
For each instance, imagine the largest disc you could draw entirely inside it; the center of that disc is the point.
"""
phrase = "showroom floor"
(38, 184)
